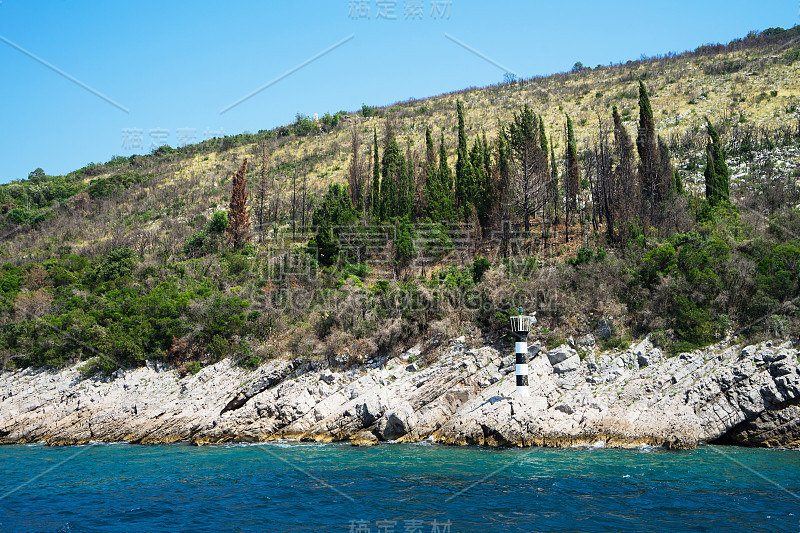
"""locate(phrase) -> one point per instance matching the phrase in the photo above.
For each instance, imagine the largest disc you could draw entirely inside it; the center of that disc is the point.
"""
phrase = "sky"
(83, 81)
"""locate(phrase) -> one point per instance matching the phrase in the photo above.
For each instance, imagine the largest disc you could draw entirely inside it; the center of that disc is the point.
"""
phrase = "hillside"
(125, 261)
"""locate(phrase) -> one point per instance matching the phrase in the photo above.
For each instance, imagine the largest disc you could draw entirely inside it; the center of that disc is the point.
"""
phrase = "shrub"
(118, 263)
(218, 222)
(479, 266)
(623, 343)
(791, 55)
(219, 347)
(18, 215)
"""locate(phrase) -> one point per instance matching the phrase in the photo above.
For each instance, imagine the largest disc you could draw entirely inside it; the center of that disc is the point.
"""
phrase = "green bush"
(479, 267)
(218, 222)
(117, 263)
(791, 55)
(218, 347)
(18, 215)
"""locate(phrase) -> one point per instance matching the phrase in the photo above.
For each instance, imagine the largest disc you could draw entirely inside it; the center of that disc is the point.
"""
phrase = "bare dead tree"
(355, 179)
(262, 191)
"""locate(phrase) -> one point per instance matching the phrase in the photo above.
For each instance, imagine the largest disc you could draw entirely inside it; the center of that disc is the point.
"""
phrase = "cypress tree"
(405, 197)
(479, 192)
(573, 174)
(646, 145)
(717, 174)
(502, 186)
(336, 210)
(445, 175)
(433, 191)
(430, 151)
(573, 168)
(666, 176)
(624, 171)
(440, 192)
(554, 195)
(543, 140)
(392, 166)
(464, 172)
(376, 179)
(677, 183)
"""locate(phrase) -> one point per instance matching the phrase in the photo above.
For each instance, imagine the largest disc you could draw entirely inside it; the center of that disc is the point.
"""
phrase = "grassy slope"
(156, 217)
(190, 185)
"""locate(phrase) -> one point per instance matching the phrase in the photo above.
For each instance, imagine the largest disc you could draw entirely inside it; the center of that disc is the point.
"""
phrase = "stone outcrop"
(744, 395)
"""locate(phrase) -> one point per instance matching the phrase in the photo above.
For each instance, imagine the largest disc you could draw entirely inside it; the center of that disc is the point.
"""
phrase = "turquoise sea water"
(395, 488)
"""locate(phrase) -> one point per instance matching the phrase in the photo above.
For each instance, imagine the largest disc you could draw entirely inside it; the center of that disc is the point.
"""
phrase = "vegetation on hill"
(442, 223)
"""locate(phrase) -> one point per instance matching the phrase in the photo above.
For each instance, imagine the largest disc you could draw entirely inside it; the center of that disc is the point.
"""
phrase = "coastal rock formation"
(743, 395)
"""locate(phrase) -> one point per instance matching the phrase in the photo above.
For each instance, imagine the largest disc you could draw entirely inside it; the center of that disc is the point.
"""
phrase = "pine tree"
(525, 148)
(716, 174)
(238, 217)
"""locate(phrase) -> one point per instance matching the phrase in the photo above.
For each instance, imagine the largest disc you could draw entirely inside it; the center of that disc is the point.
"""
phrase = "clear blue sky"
(175, 65)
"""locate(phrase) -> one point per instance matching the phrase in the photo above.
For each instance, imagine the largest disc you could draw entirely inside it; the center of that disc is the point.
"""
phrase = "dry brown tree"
(238, 217)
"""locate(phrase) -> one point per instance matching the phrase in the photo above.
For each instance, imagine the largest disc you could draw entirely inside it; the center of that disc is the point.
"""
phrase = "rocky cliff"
(746, 395)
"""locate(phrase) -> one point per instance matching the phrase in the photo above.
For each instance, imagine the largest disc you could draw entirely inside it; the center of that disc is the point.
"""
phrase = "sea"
(395, 488)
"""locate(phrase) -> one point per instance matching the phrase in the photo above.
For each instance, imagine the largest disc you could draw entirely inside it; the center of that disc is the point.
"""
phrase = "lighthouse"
(520, 326)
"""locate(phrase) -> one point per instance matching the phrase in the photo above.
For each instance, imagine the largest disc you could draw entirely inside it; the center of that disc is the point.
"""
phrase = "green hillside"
(677, 215)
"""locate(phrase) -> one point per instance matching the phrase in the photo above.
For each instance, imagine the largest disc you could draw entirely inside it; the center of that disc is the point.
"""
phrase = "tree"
(479, 192)
(355, 178)
(484, 193)
(501, 185)
(438, 186)
(530, 169)
(392, 167)
(262, 206)
(464, 175)
(335, 212)
(376, 178)
(239, 226)
(428, 174)
(405, 186)
(649, 157)
(677, 183)
(717, 175)
(573, 174)
(553, 192)
(626, 193)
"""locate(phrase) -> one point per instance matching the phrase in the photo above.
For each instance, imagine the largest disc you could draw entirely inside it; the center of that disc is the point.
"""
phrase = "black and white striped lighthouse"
(520, 326)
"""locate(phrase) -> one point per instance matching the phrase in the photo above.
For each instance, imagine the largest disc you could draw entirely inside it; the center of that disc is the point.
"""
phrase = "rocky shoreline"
(579, 396)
